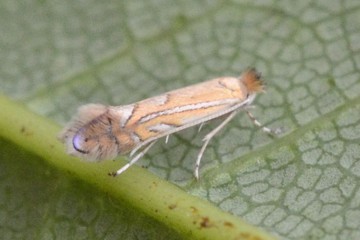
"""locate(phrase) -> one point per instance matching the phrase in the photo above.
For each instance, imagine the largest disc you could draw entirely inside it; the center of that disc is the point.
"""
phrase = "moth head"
(89, 135)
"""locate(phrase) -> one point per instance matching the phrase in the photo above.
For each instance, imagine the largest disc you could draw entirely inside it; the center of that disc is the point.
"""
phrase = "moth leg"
(167, 139)
(201, 125)
(133, 160)
(275, 131)
(207, 139)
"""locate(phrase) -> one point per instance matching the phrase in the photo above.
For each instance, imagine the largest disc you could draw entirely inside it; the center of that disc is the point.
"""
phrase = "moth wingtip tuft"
(253, 81)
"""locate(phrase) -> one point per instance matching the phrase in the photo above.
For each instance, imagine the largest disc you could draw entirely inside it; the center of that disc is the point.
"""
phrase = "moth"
(98, 132)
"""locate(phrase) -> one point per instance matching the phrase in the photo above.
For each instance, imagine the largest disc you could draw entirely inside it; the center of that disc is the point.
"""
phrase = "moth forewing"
(191, 124)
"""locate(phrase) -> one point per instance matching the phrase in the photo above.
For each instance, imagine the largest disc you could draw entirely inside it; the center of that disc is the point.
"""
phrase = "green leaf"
(303, 184)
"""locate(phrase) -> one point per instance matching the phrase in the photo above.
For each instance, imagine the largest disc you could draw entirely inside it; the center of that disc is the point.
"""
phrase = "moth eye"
(78, 143)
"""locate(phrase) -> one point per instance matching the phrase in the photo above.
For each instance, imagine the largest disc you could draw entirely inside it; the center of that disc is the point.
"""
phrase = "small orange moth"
(101, 132)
